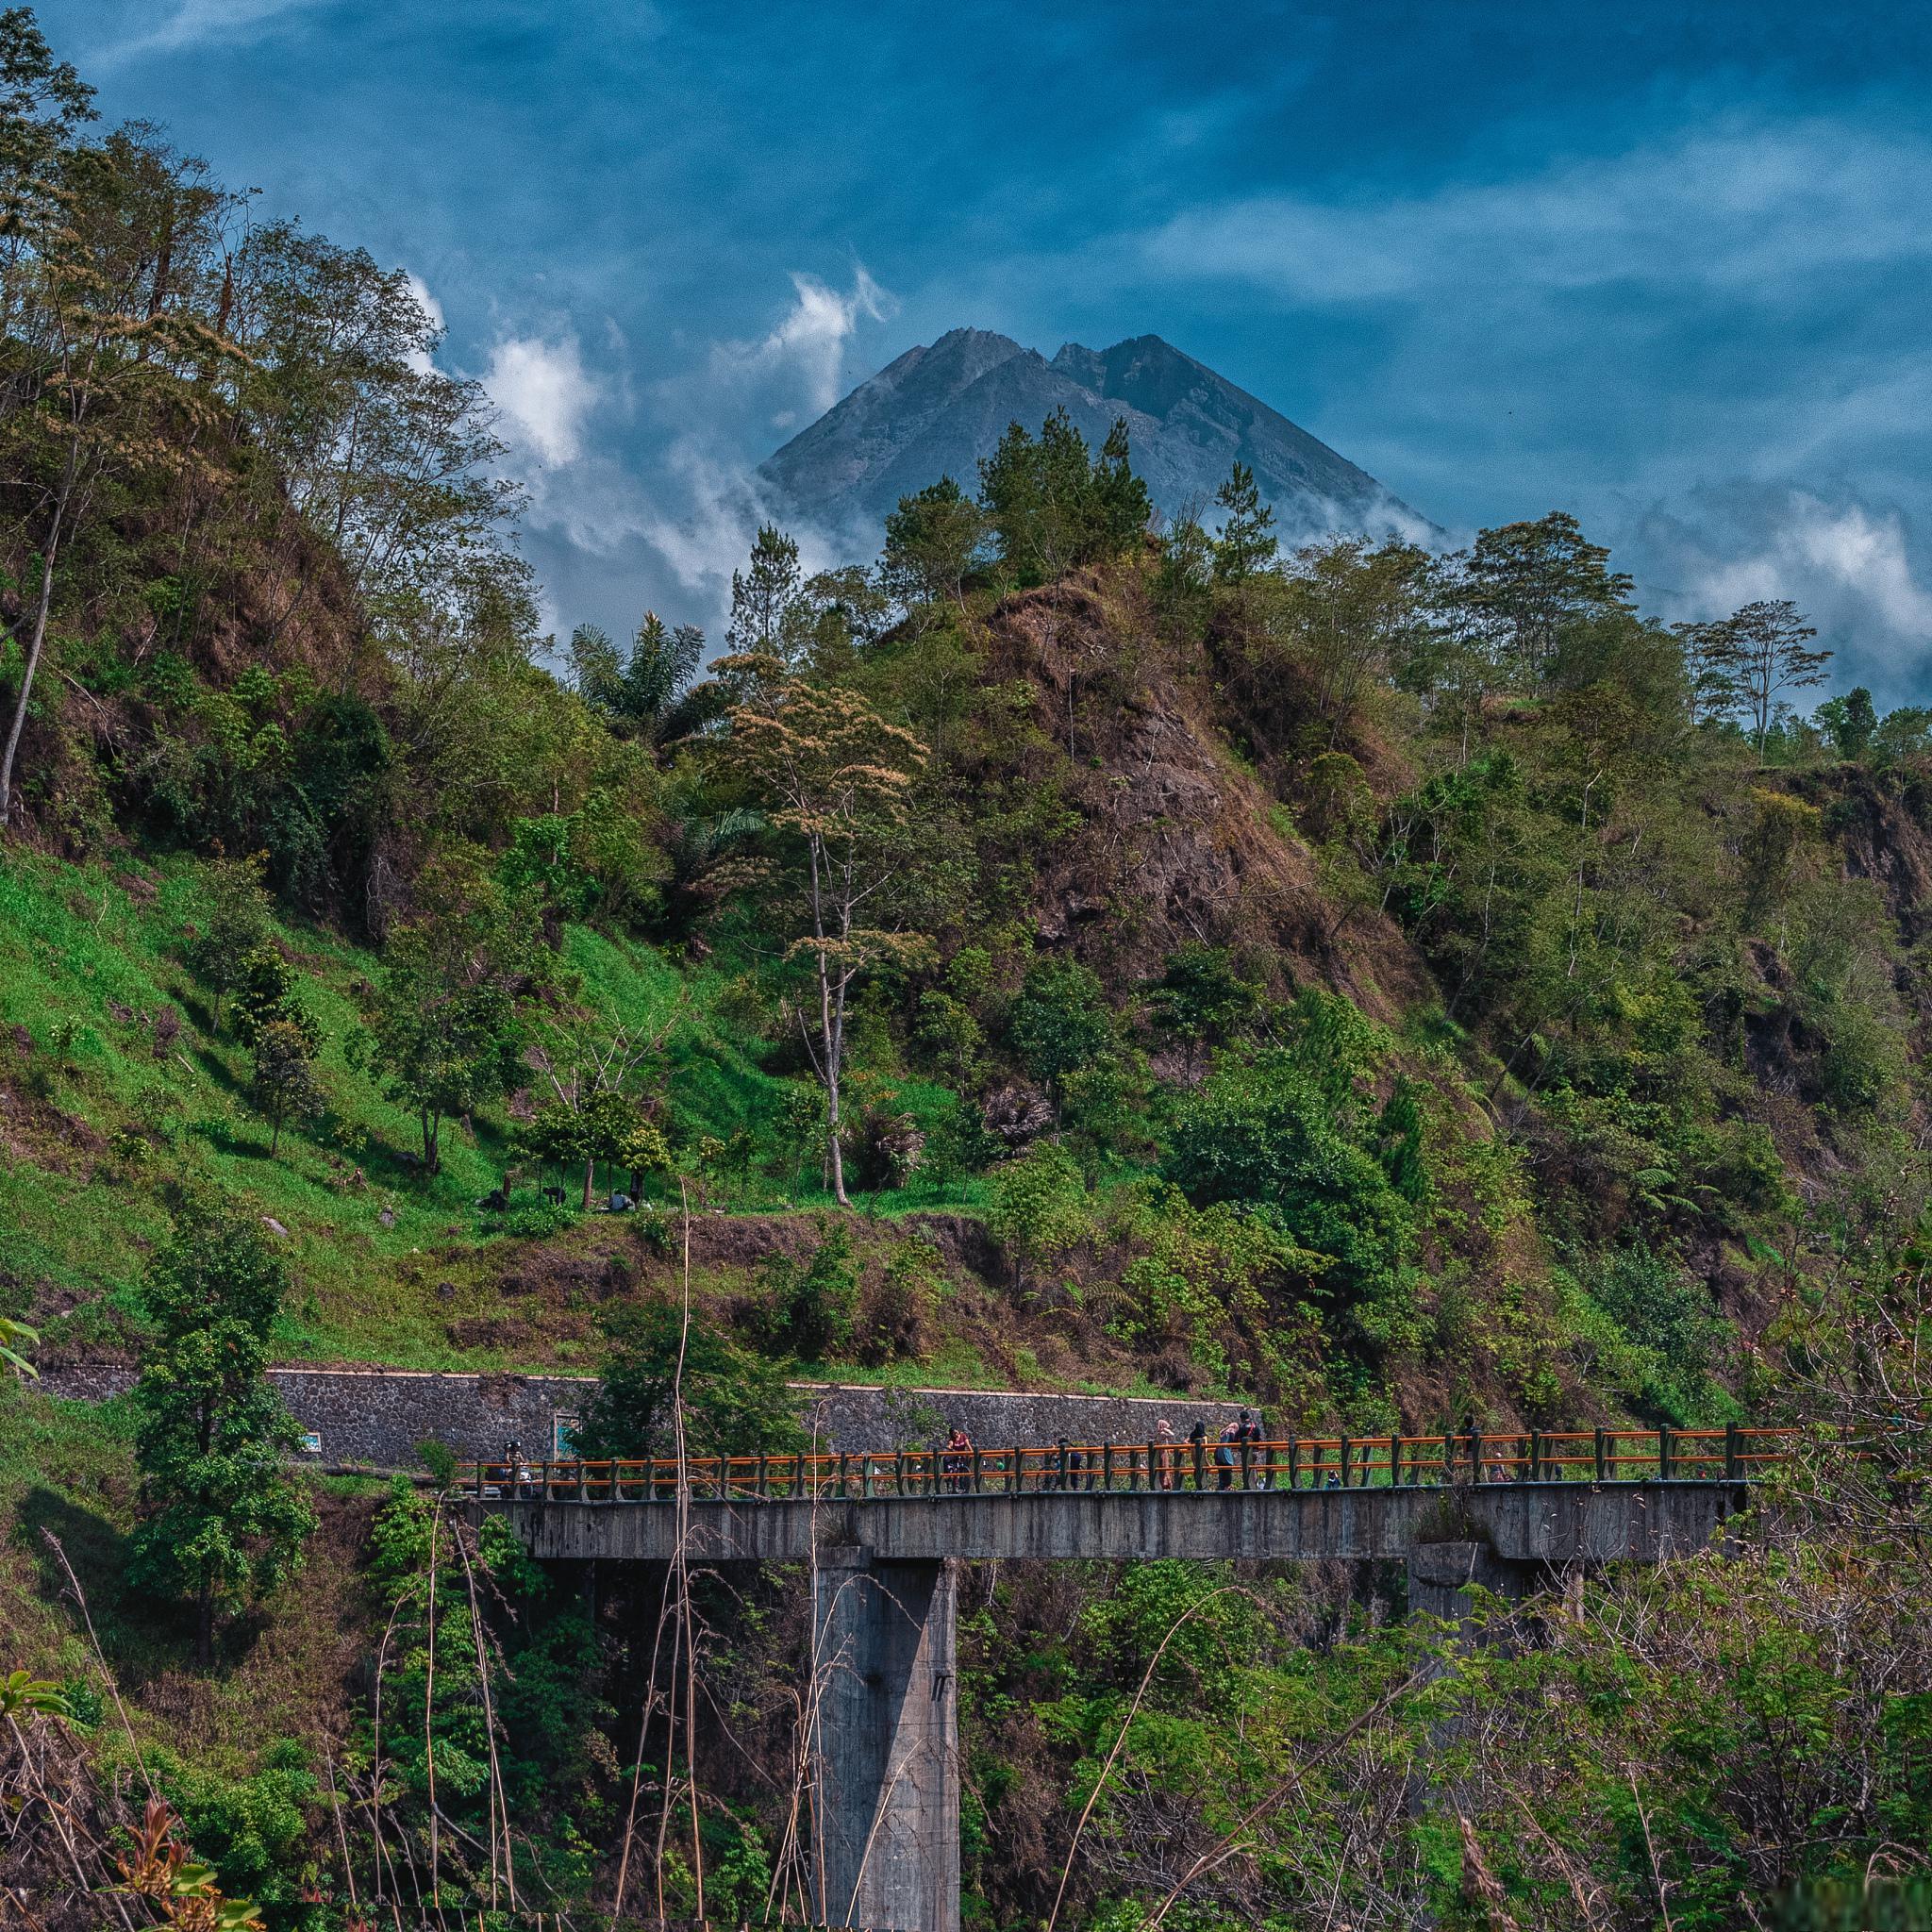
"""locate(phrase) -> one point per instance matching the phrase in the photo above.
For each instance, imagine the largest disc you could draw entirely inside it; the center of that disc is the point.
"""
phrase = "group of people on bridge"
(1078, 1468)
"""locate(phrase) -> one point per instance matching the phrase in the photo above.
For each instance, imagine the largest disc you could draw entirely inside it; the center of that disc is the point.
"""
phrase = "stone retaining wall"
(377, 1416)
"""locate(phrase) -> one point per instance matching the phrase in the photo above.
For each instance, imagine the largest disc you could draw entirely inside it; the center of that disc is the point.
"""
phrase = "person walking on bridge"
(956, 1464)
(1225, 1451)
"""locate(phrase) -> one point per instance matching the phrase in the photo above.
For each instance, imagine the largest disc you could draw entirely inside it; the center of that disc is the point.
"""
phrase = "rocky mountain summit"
(937, 411)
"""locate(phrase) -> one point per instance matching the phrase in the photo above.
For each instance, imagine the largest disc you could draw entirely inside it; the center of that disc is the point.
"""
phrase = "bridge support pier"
(886, 1747)
(1441, 1576)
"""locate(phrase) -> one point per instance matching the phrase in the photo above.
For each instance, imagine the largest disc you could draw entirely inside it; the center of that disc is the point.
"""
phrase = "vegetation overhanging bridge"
(885, 1533)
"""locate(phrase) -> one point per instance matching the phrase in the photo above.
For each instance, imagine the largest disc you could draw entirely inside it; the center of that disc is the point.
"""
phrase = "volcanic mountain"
(937, 411)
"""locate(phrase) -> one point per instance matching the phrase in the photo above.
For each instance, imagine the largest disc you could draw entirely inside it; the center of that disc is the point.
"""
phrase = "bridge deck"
(1546, 1523)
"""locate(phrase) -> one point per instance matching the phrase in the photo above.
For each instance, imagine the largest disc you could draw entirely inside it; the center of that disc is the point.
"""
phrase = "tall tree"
(596, 672)
(1247, 542)
(1051, 508)
(220, 1517)
(663, 662)
(1764, 649)
(933, 540)
(835, 779)
(1353, 612)
(1531, 581)
(110, 361)
(771, 615)
(1850, 722)
(386, 456)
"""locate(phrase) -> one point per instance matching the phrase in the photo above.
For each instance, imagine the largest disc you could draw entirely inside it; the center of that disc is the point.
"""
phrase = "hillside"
(938, 409)
(1069, 949)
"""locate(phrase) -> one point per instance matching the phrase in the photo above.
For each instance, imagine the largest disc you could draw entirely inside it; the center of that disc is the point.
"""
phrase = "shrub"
(809, 1311)
(1039, 1208)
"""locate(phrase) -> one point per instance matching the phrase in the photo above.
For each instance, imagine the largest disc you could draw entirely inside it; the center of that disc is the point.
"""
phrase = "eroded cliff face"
(1175, 841)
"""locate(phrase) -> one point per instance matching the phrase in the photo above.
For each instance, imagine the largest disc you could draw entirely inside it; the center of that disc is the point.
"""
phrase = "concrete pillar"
(1440, 1577)
(886, 1762)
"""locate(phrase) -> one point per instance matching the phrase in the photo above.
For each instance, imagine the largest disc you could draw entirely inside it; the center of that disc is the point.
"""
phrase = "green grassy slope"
(102, 1111)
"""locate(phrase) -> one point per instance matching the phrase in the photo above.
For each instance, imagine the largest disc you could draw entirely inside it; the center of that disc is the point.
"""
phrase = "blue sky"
(1670, 273)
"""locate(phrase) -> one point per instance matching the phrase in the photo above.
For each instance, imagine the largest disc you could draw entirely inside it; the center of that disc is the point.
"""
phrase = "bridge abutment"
(886, 1744)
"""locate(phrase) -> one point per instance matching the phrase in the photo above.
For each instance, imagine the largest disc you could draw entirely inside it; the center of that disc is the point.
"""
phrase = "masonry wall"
(377, 1416)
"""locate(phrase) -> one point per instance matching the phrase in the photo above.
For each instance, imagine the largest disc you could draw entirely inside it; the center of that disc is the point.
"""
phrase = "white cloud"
(199, 23)
(1848, 566)
(803, 356)
(1742, 207)
(684, 528)
(544, 393)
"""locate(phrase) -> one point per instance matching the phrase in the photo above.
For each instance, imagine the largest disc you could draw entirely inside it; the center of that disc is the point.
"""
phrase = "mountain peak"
(941, 407)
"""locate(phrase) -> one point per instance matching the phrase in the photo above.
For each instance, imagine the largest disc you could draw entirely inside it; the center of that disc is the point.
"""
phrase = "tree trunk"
(38, 637)
(205, 1625)
(838, 1159)
(590, 1181)
(431, 1135)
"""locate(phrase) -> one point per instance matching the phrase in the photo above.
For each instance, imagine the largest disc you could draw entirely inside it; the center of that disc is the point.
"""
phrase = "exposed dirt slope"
(1177, 842)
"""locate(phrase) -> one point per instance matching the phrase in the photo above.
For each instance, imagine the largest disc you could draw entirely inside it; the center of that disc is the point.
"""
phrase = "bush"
(1675, 1332)
(736, 1403)
(1059, 1022)
(1039, 1208)
(538, 1219)
(809, 1311)
(1281, 1134)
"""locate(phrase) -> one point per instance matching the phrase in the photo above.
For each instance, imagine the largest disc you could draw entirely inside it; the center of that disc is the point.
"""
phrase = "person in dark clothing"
(1225, 1452)
(958, 1463)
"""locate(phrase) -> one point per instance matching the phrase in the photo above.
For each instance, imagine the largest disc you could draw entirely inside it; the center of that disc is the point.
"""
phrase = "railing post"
(1294, 1463)
(1663, 1452)
(1347, 1474)
(1395, 1461)
(1603, 1455)
(978, 1473)
(1734, 1465)
(844, 1474)
(1247, 1464)
(1536, 1455)
(1106, 1467)
(1200, 1465)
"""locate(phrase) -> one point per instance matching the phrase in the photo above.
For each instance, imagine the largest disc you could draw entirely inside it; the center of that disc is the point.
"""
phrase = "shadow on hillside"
(139, 1634)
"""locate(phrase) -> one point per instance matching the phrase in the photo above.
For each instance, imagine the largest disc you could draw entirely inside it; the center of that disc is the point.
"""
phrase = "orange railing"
(1293, 1463)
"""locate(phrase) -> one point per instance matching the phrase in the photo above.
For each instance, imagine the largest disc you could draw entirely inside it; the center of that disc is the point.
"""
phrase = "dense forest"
(1073, 950)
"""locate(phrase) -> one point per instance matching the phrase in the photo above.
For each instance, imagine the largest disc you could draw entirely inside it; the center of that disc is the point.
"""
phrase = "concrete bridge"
(1507, 1514)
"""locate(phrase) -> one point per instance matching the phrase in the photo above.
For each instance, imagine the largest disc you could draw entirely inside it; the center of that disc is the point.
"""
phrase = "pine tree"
(1246, 542)
(770, 614)
(932, 545)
